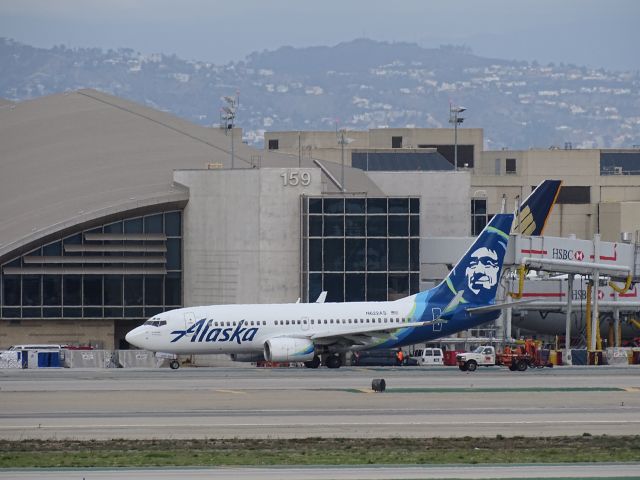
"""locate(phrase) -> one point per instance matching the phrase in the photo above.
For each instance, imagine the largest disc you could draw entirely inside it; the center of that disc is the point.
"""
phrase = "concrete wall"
(242, 235)
(412, 137)
(629, 218)
(99, 333)
(445, 207)
(610, 217)
(574, 168)
(291, 141)
(325, 145)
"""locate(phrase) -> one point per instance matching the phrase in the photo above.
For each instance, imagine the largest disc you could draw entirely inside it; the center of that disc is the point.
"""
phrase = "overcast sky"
(598, 33)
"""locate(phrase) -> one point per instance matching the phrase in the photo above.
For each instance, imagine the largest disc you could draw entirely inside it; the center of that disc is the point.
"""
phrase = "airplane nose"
(132, 336)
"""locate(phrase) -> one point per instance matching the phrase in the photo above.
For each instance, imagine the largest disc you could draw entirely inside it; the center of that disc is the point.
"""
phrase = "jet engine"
(247, 357)
(283, 349)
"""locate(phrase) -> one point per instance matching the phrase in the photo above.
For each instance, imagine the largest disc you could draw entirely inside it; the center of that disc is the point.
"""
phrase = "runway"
(341, 473)
(296, 403)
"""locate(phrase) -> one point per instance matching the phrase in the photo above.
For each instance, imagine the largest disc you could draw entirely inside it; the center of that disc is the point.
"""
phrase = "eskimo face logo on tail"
(482, 271)
(201, 331)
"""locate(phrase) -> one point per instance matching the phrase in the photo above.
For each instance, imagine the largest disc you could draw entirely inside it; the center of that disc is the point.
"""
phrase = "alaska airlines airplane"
(309, 332)
(315, 332)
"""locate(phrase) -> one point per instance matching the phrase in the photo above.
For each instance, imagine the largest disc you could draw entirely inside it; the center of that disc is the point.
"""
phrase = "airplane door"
(189, 320)
(304, 323)
(436, 312)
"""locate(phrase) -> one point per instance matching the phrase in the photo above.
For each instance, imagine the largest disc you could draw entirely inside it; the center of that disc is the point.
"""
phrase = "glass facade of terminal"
(127, 269)
(360, 248)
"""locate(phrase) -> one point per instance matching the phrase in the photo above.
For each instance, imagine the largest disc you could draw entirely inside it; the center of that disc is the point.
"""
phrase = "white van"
(428, 357)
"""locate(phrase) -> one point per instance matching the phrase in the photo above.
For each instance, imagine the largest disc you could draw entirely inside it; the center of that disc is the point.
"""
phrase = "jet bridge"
(604, 263)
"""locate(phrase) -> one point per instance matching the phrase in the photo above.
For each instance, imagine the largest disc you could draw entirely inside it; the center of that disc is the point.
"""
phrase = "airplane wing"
(360, 336)
(499, 306)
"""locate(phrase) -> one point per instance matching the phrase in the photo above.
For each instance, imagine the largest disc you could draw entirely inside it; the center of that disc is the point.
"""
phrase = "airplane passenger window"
(287, 322)
(304, 321)
(210, 323)
(298, 322)
(264, 323)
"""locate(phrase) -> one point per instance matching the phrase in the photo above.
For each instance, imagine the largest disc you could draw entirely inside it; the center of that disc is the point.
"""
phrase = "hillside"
(361, 84)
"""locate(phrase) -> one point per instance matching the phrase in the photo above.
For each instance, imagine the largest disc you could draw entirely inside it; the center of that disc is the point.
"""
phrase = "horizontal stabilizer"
(499, 306)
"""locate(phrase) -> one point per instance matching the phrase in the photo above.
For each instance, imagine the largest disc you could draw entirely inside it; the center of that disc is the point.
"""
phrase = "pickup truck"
(483, 355)
(517, 359)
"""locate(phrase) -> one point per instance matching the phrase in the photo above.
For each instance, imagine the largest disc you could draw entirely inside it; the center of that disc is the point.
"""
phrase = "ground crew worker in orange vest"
(400, 356)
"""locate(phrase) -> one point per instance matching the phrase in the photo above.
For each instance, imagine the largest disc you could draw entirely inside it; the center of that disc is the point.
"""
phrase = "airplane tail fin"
(474, 279)
(535, 210)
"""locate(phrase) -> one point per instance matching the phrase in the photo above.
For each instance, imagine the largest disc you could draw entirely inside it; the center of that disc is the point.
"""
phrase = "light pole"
(455, 119)
(228, 117)
(342, 140)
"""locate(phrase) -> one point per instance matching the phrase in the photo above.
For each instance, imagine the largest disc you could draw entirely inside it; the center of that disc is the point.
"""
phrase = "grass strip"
(317, 451)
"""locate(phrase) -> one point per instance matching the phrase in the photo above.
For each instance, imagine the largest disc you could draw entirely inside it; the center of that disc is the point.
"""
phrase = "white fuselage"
(222, 330)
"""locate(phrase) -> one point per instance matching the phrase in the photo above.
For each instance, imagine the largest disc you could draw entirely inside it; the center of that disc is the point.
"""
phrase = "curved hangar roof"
(72, 159)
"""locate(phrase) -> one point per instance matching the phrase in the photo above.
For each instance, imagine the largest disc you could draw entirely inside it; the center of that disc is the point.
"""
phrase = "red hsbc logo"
(579, 255)
(600, 295)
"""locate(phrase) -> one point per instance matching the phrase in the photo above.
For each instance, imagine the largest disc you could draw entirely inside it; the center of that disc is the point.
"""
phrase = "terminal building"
(600, 186)
(113, 211)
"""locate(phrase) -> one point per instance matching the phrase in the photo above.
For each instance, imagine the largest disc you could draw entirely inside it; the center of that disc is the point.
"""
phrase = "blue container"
(579, 357)
(48, 359)
(23, 356)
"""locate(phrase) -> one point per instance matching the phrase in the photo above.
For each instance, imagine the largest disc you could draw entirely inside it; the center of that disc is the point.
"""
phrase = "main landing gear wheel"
(174, 364)
(333, 361)
(315, 363)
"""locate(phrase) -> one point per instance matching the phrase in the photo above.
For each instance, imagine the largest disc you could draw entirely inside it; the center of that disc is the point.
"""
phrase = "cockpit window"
(156, 323)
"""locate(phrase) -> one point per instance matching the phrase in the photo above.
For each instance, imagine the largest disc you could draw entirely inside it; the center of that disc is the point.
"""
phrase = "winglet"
(535, 210)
